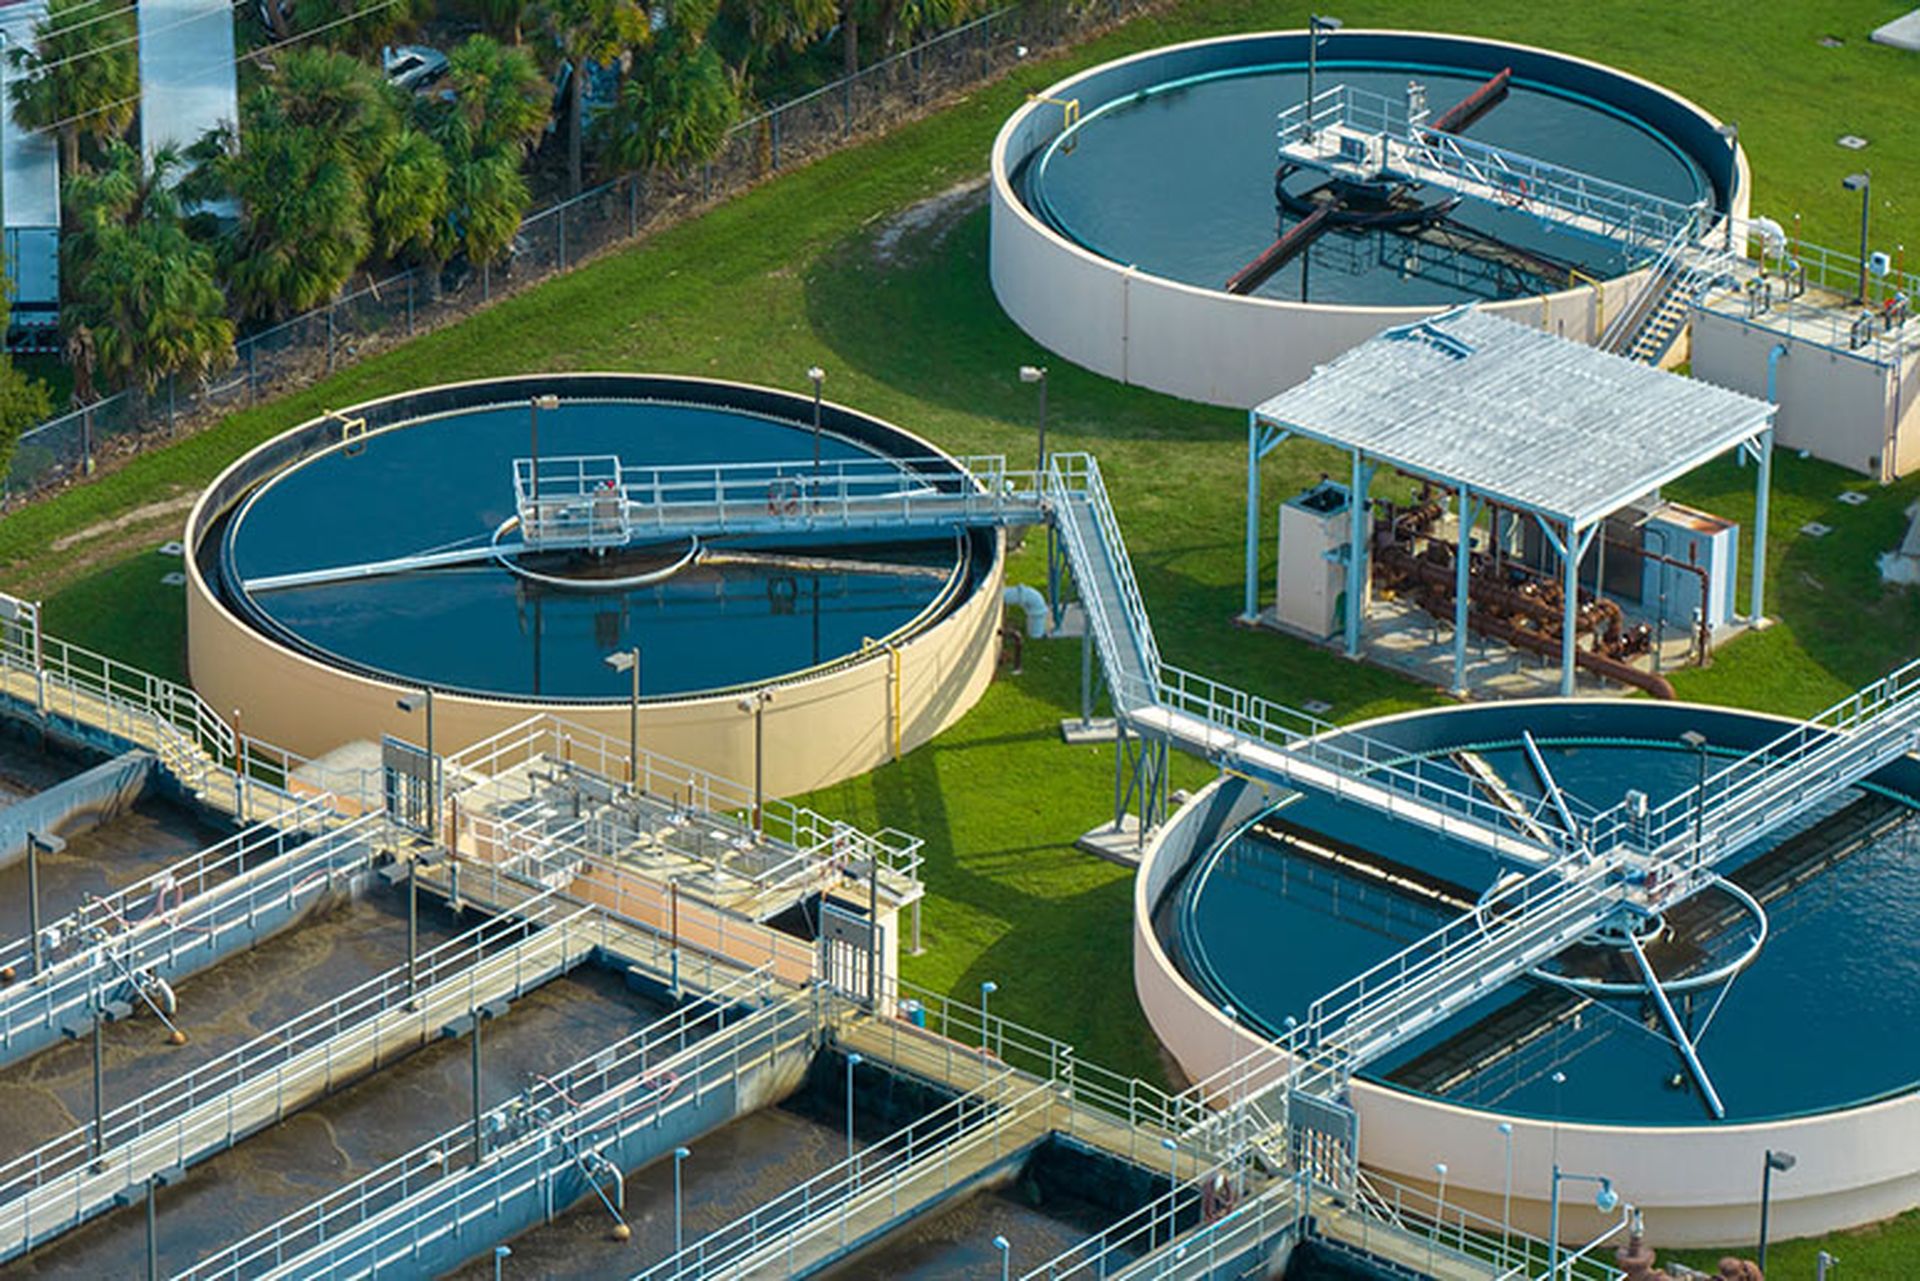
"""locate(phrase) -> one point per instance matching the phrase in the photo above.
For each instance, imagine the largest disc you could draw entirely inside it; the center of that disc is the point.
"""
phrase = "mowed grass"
(794, 274)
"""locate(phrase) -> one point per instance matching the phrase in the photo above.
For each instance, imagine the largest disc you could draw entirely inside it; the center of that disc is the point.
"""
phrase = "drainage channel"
(346, 1134)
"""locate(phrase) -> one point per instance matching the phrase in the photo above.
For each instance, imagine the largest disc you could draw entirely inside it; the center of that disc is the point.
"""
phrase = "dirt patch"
(939, 212)
(138, 516)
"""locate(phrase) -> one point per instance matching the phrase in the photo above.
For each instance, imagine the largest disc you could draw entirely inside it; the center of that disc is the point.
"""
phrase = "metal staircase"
(1646, 328)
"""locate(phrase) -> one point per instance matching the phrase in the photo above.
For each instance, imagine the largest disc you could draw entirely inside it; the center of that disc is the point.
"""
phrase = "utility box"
(1310, 582)
(1695, 539)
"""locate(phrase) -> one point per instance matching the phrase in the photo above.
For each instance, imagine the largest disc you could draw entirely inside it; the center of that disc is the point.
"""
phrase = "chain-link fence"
(67, 449)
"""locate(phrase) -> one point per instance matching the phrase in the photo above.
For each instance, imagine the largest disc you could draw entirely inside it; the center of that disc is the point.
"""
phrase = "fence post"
(846, 107)
(86, 440)
(409, 302)
(253, 377)
(330, 309)
(775, 129)
(633, 206)
(563, 236)
(170, 413)
(486, 281)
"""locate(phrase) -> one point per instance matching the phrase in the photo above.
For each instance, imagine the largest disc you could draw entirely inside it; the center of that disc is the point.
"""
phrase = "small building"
(29, 200)
(1556, 449)
(1842, 362)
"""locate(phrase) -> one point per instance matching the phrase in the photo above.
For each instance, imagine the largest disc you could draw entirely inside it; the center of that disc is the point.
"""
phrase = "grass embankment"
(797, 273)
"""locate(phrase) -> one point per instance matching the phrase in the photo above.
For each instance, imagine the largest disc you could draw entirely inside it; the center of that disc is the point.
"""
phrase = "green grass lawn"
(789, 276)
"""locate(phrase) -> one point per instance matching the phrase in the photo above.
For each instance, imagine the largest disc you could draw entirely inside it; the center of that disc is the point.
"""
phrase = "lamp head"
(548, 401)
(816, 375)
(1694, 738)
(1606, 1198)
(1781, 1161)
(410, 702)
(620, 660)
(502, 1252)
(988, 987)
(1861, 181)
(1002, 1244)
(1440, 1168)
(1322, 23)
(1170, 1145)
(1728, 129)
(1506, 1128)
(1033, 373)
(855, 1059)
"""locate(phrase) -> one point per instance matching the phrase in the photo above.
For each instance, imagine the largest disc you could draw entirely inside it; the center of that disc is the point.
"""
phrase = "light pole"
(1506, 1195)
(1698, 742)
(628, 660)
(1005, 1248)
(1440, 1197)
(1604, 1200)
(1862, 182)
(755, 704)
(1172, 1146)
(853, 1061)
(1781, 1161)
(37, 840)
(534, 405)
(501, 1254)
(1315, 25)
(679, 1155)
(816, 376)
(1037, 374)
(987, 988)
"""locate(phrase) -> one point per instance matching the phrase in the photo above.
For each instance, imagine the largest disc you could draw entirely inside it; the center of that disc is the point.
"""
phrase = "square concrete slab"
(1901, 33)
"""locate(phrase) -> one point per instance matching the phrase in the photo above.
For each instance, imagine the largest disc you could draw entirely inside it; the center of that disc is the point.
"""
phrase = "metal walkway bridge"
(1370, 139)
(1599, 868)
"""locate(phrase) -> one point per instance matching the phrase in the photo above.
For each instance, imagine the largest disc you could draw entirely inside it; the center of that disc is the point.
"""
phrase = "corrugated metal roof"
(1517, 414)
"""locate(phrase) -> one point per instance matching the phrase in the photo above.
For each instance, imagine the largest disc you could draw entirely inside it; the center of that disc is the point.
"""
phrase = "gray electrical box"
(1310, 579)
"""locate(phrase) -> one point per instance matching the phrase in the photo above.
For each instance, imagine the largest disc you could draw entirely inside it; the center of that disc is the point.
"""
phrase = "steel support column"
(1261, 441)
(1762, 495)
(1358, 535)
(1462, 583)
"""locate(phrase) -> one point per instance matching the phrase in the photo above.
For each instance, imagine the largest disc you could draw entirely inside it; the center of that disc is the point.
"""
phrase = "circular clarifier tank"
(378, 550)
(1795, 977)
(1128, 197)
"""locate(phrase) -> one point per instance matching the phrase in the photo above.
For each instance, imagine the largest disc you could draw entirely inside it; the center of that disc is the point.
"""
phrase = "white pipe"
(1030, 602)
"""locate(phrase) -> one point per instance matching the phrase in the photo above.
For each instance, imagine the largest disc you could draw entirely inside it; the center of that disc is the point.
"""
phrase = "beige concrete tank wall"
(1698, 1185)
(1205, 344)
(1836, 405)
(818, 729)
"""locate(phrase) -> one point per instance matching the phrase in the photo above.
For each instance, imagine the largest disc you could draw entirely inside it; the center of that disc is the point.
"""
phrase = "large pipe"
(1498, 601)
(1030, 602)
(1463, 113)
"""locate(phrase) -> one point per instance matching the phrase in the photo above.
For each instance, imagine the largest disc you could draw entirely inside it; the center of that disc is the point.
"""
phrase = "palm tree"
(303, 222)
(499, 91)
(81, 77)
(145, 301)
(676, 108)
(751, 32)
(408, 199)
(316, 143)
(353, 24)
(495, 112)
(597, 31)
(506, 18)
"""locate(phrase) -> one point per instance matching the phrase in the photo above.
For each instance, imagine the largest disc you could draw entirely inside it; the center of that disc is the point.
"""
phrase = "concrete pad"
(1101, 729)
(1115, 842)
(1901, 33)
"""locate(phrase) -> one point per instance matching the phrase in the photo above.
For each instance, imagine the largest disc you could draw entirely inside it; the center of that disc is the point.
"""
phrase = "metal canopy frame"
(1464, 377)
